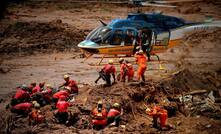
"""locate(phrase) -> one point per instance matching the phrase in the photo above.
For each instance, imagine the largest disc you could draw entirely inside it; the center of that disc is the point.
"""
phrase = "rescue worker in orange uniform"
(62, 110)
(22, 108)
(158, 113)
(21, 95)
(142, 65)
(114, 114)
(106, 72)
(123, 70)
(36, 116)
(99, 116)
(130, 71)
(62, 93)
(70, 83)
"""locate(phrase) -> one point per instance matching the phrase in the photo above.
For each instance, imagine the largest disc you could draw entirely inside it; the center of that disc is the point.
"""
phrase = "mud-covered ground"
(38, 43)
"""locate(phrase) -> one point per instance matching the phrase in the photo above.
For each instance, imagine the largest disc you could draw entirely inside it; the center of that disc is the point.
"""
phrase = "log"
(196, 92)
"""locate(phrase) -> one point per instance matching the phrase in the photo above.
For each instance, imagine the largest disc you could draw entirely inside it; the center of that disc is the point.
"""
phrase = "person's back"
(109, 69)
(62, 106)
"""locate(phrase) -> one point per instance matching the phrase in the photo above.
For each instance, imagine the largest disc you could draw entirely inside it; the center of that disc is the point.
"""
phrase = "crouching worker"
(62, 110)
(99, 116)
(106, 72)
(158, 113)
(114, 114)
(62, 93)
(70, 83)
(20, 96)
(22, 108)
(36, 116)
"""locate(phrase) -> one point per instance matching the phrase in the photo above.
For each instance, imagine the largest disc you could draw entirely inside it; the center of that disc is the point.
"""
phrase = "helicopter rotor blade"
(103, 23)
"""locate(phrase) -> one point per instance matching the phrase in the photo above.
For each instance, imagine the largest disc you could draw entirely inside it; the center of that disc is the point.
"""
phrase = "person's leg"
(139, 72)
(97, 79)
(108, 80)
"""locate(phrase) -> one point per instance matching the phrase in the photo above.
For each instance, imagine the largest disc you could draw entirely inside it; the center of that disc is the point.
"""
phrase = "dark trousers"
(62, 117)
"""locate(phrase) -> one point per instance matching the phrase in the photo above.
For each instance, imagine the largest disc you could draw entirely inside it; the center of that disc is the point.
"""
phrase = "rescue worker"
(158, 113)
(62, 93)
(21, 95)
(142, 65)
(123, 70)
(22, 108)
(36, 116)
(62, 110)
(70, 83)
(31, 86)
(130, 71)
(38, 88)
(99, 116)
(106, 72)
(114, 114)
(47, 93)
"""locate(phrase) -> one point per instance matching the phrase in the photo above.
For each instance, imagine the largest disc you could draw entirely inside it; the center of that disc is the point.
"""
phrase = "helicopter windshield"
(99, 34)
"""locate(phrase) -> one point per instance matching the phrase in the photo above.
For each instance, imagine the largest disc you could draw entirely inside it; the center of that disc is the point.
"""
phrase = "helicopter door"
(117, 38)
(162, 39)
(130, 37)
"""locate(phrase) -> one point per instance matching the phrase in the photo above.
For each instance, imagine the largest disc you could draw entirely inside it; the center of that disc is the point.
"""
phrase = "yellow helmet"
(100, 102)
(140, 51)
(116, 105)
(110, 61)
(66, 76)
(48, 86)
(121, 59)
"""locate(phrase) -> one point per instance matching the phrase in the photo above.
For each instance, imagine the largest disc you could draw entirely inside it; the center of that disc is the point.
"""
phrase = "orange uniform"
(142, 66)
(130, 71)
(99, 118)
(123, 71)
(158, 112)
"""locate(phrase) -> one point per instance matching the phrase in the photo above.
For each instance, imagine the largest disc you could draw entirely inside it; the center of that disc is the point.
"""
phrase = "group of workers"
(126, 70)
(28, 100)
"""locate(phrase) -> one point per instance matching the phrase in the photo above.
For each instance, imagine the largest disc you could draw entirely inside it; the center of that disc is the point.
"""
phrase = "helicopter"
(161, 33)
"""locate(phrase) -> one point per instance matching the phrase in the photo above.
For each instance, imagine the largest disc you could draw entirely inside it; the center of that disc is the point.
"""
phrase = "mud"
(26, 38)
(38, 43)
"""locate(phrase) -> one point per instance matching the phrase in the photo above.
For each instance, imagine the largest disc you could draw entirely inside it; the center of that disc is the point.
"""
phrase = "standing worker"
(130, 71)
(142, 65)
(123, 70)
(106, 72)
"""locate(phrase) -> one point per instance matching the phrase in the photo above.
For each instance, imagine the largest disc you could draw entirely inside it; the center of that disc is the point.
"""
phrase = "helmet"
(116, 105)
(110, 61)
(36, 104)
(129, 65)
(48, 86)
(140, 51)
(100, 102)
(66, 76)
(23, 86)
(148, 110)
(121, 59)
(138, 47)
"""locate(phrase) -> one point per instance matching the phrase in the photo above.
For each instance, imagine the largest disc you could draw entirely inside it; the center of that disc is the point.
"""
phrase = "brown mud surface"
(38, 43)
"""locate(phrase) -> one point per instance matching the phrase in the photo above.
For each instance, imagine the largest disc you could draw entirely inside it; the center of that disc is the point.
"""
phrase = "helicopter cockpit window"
(117, 38)
(130, 37)
(99, 35)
